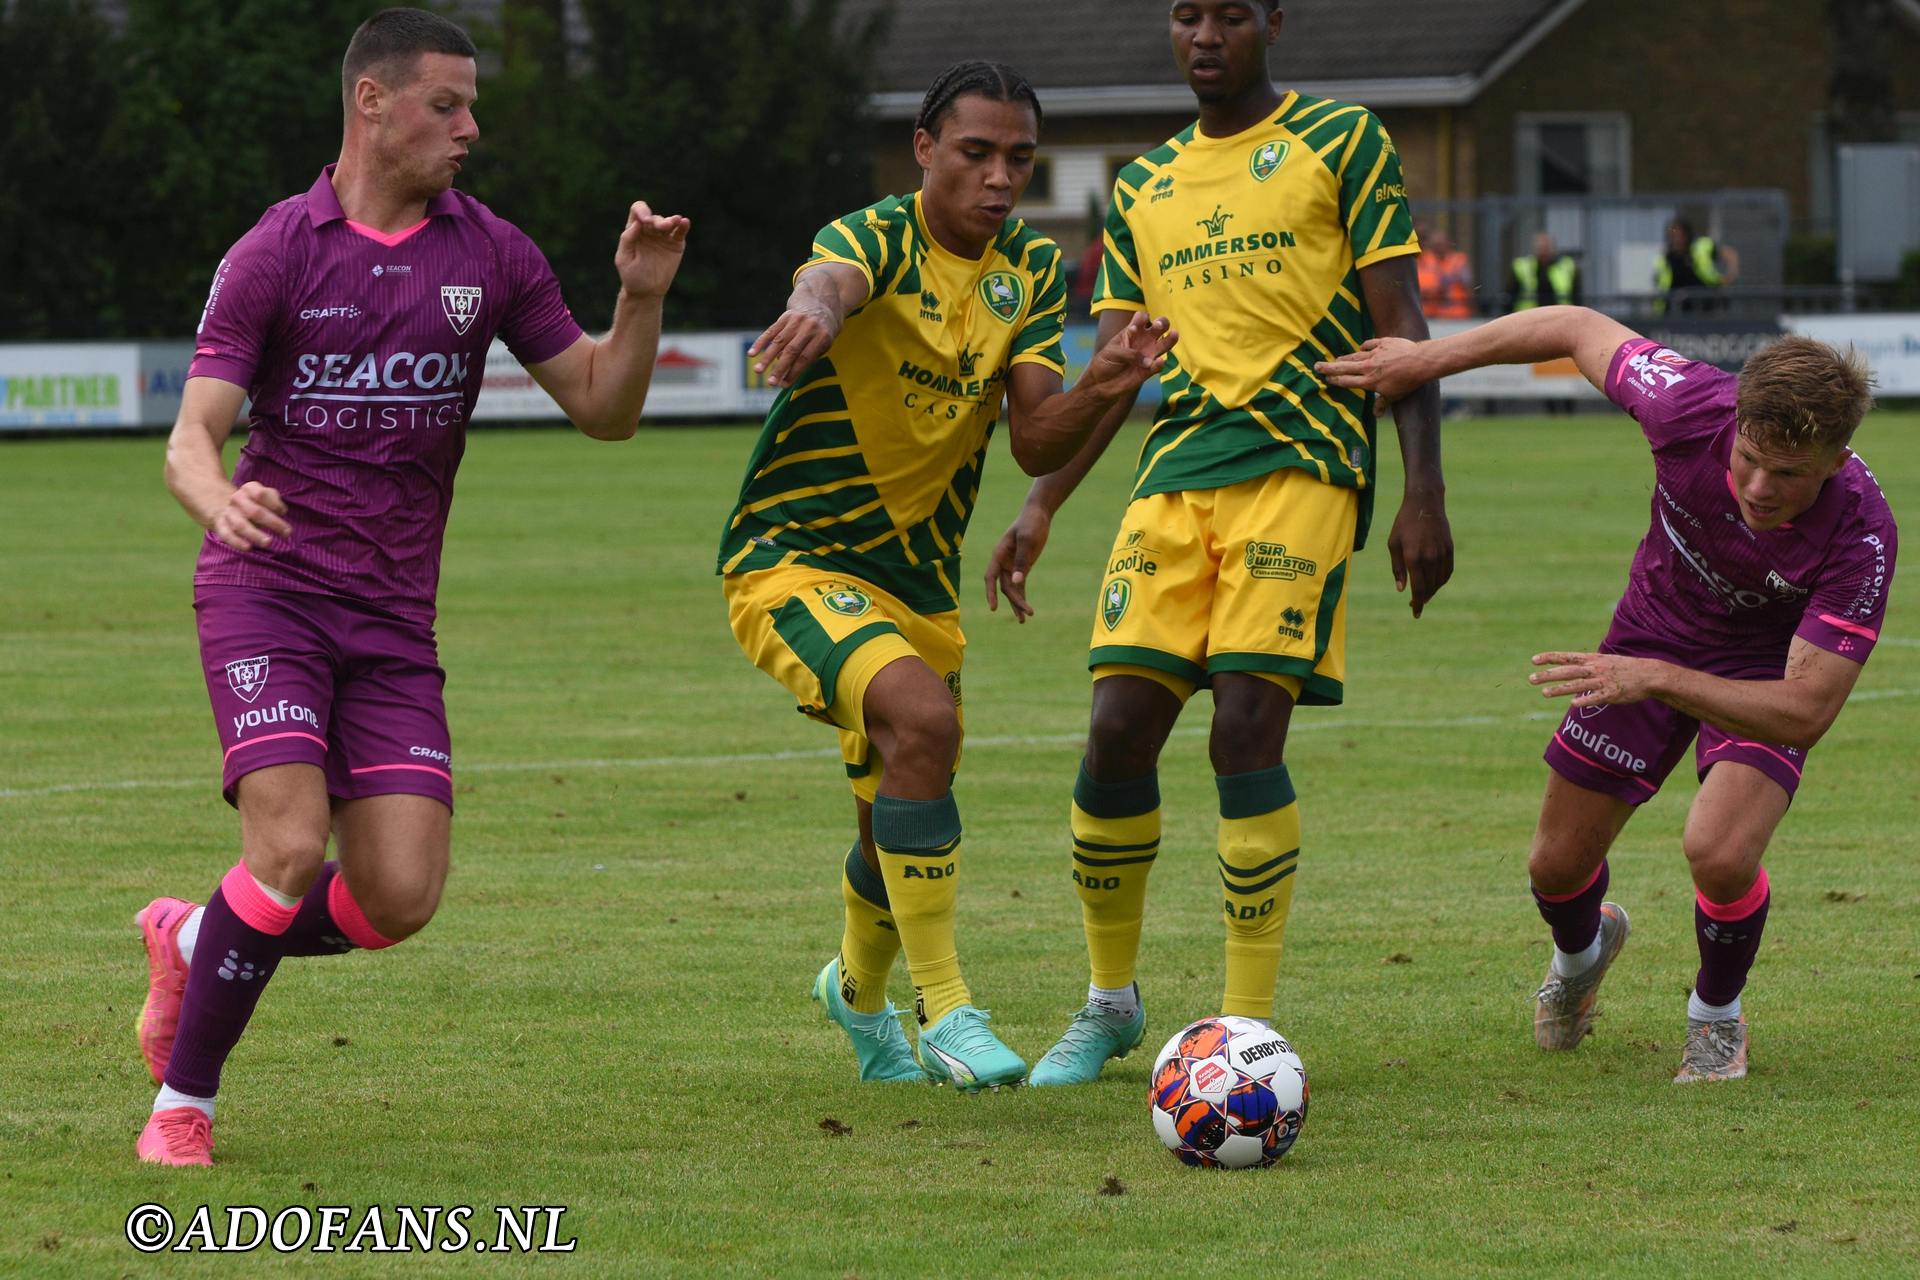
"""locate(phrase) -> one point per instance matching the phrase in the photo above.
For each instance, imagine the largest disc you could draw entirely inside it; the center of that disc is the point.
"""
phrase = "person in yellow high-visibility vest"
(1545, 277)
(1693, 262)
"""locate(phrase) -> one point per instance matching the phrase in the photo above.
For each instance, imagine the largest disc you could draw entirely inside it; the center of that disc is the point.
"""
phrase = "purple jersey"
(363, 354)
(1705, 588)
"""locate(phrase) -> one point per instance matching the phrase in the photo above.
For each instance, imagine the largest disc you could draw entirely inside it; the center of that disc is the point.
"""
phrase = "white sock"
(1699, 1010)
(1123, 1001)
(189, 934)
(285, 900)
(169, 1097)
(1571, 964)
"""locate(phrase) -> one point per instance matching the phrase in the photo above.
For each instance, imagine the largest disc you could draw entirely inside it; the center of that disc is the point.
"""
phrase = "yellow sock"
(919, 843)
(870, 940)
(1116, 836)
(1259, 848)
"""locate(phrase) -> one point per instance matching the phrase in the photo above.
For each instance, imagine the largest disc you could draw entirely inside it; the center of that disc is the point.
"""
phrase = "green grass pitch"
(610, 1011)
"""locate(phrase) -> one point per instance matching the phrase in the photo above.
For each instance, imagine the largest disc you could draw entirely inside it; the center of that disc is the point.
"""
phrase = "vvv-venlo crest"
(461, 302)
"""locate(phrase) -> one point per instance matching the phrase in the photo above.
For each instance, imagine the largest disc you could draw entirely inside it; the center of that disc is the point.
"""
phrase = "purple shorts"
(1627, 751)
(297, 678)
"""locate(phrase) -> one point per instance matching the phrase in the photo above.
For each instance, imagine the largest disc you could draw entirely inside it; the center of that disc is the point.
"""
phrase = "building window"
(1572, 155)
(1040, 186)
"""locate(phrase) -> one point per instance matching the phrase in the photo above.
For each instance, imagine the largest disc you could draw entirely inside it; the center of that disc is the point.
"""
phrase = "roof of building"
(1094, 56)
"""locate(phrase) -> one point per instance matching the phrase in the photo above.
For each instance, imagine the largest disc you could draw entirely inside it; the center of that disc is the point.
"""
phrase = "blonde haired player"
(1752, 604)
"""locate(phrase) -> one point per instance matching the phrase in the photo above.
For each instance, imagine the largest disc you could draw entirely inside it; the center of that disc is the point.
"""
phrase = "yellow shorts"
(1249, 577)
(824, 636)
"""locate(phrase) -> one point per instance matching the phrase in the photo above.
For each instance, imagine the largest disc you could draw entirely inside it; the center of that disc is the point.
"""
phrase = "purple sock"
(314, 932)
(239, 945)
(1729, 938)
(1575, 917)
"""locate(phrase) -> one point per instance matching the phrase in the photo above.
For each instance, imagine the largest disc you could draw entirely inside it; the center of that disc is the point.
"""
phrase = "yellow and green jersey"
(1252, 245)
(870, 462)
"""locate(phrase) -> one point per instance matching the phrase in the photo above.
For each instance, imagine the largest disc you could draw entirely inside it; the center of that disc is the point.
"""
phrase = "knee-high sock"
(1729, 939)
(870, 939)
(237, 950)
(919, 843)
(1259, 849)
(328, 922)
(1116, 836)
(1575, 917)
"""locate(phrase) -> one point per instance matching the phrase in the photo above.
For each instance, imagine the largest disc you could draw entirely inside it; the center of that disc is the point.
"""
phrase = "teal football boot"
(959, 1050)
(877, 1038)
(1094, 1035)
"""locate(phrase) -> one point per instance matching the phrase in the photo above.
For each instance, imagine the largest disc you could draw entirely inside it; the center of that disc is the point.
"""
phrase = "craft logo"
(248, 676)
(461, 302)
(1266, 158)
(1003, 294)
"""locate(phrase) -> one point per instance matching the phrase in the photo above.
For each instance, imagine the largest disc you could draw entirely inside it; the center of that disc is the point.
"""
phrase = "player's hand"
(1421, 548)
(1136, 353)
(800, 336)
(251, 517)
(649, 251)
(1389, 366)
(1013, 556)
(1594, 679)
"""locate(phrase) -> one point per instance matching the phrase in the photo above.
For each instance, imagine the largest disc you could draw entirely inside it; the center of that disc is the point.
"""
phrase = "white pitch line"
(828, 753)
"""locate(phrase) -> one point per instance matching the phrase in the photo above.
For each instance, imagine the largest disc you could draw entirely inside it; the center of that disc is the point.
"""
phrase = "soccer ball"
(1228, 1093)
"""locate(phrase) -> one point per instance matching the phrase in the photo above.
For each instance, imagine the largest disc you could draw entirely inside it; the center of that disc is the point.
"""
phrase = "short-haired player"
(1753, 601)
(356, 318)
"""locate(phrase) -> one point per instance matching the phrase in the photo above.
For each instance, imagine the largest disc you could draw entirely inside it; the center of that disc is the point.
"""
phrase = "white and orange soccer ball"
(1228, 1093)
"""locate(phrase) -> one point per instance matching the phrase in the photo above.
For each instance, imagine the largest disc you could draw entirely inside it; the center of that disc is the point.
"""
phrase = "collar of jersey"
(323, 205)
(1268, 125)
(938, 250)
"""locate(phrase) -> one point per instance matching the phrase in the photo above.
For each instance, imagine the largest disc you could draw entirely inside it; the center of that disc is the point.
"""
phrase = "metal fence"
(1618, 240)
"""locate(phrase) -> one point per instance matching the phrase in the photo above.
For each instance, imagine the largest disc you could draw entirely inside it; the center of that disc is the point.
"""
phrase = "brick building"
(1524, 97)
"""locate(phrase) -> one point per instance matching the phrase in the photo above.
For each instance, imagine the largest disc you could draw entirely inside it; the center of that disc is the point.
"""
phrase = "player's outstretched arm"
(243, 518)
(601, 386)
(1020, 546)
(1047, 426)
(1394, 367)
(1420, 545)
(823, 297)
(1794, 710)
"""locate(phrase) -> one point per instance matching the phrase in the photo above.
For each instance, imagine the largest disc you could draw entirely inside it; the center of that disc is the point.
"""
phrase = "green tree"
(58, 206)
(227, 107)
(748, 116)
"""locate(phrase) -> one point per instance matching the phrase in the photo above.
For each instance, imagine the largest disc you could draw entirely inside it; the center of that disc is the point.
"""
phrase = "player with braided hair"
(908, 325)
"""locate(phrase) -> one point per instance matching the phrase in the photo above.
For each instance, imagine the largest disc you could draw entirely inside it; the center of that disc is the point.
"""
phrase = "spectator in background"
(1546, 277)
(1693, 262)
(1446, 279)
(1087, 274)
